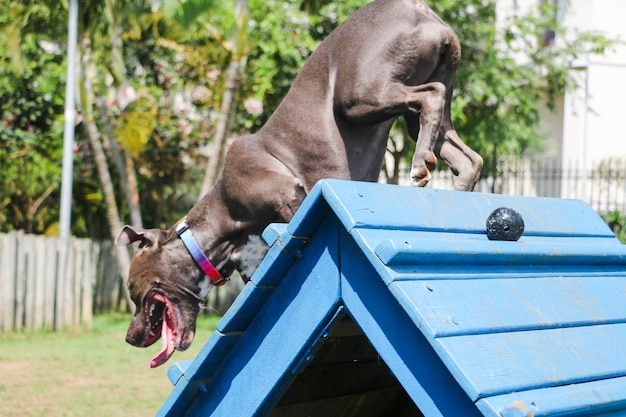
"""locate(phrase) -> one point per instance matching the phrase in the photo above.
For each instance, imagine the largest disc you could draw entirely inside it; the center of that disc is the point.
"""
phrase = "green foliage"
(484, 79)
(31, 132)
(506, 73)
(332, 15)
(273, 60)
(282, 36)
(616, 220)
(176, 58)
(15, 18)
(168, 133)
(136, 125)
(189, 12)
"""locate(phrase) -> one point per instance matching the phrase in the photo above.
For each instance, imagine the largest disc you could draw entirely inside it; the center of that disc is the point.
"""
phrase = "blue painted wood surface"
(398, 341)
(468, 326)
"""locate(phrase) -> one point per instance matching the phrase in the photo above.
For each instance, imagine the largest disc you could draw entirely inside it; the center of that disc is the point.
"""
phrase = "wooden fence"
(46, 282)
(53, 283)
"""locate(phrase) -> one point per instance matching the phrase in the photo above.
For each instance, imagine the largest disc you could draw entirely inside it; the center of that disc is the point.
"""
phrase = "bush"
(617, 222)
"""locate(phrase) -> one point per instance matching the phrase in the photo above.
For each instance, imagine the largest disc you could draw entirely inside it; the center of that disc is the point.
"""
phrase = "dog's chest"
(205, 286)
(251, 255)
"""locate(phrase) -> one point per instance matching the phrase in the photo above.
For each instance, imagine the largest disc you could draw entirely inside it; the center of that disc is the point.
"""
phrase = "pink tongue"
(167, 343)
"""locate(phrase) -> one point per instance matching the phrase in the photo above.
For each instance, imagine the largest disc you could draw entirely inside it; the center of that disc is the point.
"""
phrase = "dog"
(391, 58)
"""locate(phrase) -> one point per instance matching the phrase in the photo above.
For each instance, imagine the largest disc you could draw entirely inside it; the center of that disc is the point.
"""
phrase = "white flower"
(201, 95)
(125, 95)
(253, 106)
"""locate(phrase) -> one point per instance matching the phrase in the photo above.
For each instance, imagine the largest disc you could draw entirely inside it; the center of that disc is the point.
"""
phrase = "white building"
(585, 133)
(585, 153)
(586, 125)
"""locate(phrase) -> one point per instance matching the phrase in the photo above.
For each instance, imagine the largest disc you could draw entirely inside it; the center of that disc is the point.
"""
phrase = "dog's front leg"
(422, 105)
(425, 112)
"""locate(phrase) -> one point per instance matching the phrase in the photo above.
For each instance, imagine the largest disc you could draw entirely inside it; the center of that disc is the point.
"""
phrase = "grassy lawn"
(92, 373)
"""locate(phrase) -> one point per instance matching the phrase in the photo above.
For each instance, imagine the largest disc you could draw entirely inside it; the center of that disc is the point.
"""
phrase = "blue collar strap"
(183, 232)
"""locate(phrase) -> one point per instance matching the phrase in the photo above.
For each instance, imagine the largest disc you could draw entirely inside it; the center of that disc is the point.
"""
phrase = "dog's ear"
(129, 234)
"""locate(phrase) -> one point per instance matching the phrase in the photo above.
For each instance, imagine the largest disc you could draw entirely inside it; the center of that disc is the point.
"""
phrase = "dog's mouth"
(164, 322)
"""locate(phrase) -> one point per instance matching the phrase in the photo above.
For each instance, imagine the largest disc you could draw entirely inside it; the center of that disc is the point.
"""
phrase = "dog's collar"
(183, 232)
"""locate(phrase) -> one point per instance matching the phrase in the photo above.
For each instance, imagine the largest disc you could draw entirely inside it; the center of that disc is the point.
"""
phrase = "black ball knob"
(506, 224)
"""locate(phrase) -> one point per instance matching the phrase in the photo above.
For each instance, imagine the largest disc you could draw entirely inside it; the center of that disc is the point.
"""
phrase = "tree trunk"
(124, 161)
(224, 119)
(126, 168)
(233, 81)
(132, 192)
(86, 105)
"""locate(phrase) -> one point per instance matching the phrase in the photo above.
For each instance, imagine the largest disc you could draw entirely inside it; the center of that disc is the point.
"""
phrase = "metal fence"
(603, 187)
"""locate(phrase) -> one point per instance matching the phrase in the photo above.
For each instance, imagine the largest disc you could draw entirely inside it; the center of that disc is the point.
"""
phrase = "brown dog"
(391, 58)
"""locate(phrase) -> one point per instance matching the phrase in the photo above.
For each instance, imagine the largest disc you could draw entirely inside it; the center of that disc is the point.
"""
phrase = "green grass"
(87, 372)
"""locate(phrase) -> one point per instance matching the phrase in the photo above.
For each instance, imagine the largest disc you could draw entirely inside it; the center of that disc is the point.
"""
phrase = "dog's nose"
(131, 339)
(135, 336)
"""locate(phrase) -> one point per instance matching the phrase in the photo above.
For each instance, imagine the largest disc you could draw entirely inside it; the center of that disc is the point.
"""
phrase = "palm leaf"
(16, 27)
(136, 125)
(186, 13)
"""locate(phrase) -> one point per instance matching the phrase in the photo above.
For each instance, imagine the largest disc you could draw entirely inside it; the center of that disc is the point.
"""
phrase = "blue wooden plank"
(360, 204)
(245, 307)
(400, 343)
(494, 364)
(369, 239)
(273, 231)
(311, 212)
(460, 307)
(486, 252)
(193, 378)
(212, 354)
(596, 398)
(285, 250)
(177, 371)
(259, 368)
(177, 401)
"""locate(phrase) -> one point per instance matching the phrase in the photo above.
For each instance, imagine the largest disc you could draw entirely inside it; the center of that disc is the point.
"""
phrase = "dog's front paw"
(419, 178)
(423, 164)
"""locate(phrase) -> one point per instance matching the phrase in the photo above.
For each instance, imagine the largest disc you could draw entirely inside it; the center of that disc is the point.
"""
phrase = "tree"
(175, 56)
(125, 95)
(187, 51)
(238, 53)
(31, 112)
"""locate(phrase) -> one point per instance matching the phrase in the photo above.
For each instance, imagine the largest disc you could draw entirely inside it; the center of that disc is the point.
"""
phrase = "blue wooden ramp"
(379, 300)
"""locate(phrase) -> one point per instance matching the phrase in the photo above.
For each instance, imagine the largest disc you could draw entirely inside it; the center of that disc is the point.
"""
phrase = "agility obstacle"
(380, 300)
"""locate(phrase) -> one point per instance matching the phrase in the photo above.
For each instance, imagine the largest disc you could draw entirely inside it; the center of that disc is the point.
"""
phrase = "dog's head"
(167, 288)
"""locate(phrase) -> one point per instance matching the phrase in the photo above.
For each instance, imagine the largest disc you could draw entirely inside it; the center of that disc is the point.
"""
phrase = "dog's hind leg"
(464, 162)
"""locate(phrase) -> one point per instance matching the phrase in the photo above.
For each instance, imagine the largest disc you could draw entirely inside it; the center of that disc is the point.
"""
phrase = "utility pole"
(68, 131)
